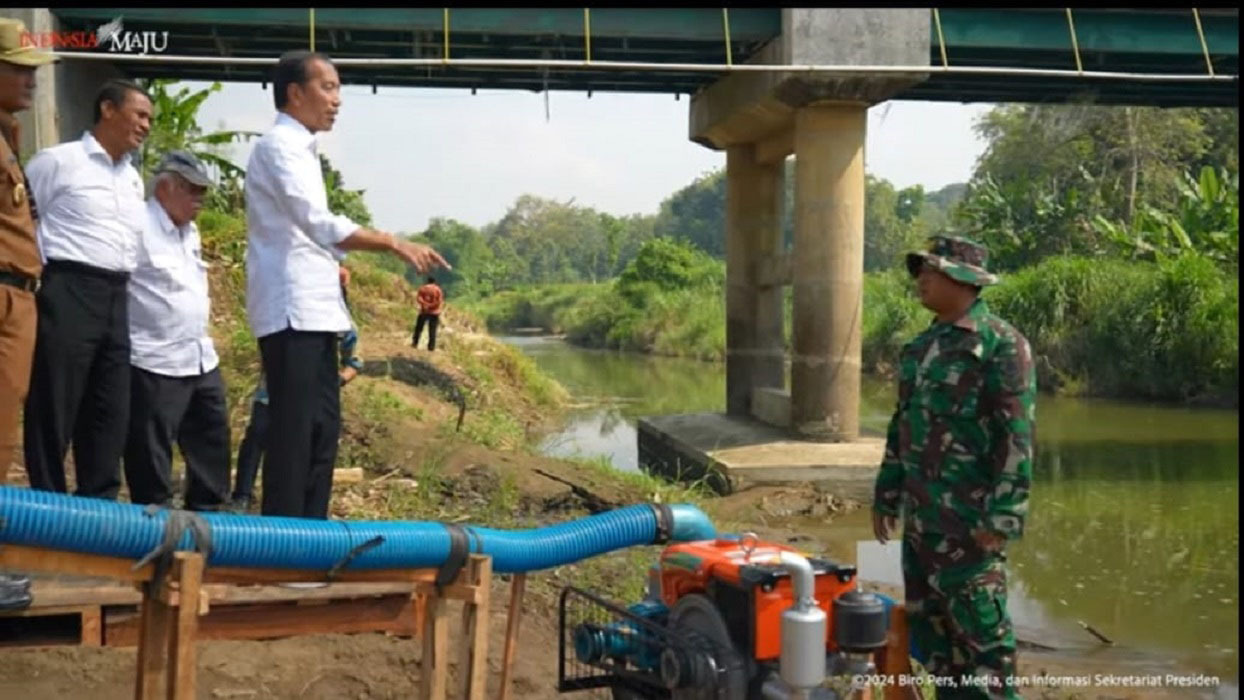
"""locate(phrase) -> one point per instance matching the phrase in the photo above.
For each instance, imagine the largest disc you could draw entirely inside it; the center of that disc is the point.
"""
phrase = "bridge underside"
(1153, 41)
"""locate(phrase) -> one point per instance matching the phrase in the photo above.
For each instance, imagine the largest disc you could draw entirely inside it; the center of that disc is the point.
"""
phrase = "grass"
(647, 486)
(1165, 331)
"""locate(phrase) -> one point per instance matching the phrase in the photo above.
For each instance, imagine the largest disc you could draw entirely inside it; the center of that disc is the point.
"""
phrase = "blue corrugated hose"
(76, 524)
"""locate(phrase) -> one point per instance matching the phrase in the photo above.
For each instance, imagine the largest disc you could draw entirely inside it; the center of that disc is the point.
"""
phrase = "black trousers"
(304, 404)
(190, 411)
(80, 383)
(432, 321)
(251, 451)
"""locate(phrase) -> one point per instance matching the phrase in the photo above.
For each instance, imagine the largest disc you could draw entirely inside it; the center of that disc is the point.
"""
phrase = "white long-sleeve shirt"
(169, 307)
(90, 208)
(292, 255)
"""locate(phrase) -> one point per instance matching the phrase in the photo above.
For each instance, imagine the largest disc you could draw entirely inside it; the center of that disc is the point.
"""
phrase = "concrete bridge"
(841, 62)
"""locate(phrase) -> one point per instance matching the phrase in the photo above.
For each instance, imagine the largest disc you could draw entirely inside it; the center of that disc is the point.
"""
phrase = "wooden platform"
(101, 612)
(175, 606)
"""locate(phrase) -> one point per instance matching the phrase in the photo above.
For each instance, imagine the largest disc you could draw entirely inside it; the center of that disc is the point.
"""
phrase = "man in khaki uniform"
(20, 264)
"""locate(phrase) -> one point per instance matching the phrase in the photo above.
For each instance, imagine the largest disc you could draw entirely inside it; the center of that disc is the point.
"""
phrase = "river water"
(1133, 525)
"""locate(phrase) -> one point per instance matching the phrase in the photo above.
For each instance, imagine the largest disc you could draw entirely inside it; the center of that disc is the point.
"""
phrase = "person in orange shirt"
(431, 300)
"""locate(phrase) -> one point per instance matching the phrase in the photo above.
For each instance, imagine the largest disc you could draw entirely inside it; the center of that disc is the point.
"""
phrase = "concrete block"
(856, 36)
(747, 107)
(771, 406)
(731, 452)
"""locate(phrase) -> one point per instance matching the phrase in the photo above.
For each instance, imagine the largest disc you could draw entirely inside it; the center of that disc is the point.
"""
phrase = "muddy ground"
(419, 469)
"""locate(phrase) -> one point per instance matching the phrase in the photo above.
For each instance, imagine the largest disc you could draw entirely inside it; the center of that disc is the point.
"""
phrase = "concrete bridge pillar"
(754, 355)
(828, 268)
(820, 118)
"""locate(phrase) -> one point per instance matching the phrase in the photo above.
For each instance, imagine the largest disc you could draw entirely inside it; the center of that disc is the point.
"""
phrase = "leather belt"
(12, 279)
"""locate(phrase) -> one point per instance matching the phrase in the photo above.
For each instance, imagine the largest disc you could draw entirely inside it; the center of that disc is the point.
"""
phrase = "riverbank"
(1166, 332)
(401, 430)
(1119, 489)
(400, 419)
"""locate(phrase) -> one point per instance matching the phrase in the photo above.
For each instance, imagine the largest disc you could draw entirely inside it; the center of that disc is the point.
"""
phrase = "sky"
(421, 153)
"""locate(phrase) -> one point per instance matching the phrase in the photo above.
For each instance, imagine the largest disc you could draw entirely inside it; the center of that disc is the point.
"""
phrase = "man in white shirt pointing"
(293, 299)
(176, 393)
(91, 213)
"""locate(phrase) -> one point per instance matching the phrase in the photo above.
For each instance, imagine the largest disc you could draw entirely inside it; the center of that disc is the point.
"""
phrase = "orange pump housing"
(749, 586)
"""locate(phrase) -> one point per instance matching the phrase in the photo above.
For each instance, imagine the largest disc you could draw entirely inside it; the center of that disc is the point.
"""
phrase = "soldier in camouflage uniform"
(957, 467)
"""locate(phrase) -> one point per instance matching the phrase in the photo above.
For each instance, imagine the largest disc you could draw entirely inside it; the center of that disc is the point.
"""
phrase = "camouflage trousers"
(959, 626)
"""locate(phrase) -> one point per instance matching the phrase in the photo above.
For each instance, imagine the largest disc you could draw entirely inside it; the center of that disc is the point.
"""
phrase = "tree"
(665, 264)
(476, 270)
(697, 214)
(175, 126)
(892, 223)
(1206, 221)
(1049, 171)
(341, 201)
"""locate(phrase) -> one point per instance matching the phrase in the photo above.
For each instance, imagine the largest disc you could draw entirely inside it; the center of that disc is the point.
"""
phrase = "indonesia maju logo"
(130, 42)
(111, 34)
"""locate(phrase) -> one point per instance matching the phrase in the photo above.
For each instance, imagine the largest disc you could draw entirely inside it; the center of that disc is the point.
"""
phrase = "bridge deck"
(1153, 40)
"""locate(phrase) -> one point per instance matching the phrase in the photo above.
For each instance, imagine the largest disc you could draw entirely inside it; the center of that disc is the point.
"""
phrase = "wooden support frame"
(171, 607)
(517, 587)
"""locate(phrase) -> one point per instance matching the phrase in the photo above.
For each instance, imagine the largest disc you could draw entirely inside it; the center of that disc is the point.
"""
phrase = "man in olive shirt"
(20, 264)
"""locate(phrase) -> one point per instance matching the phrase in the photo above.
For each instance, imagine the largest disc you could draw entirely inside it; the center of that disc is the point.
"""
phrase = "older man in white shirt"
(90, 202)
(295, 245)
(176, 390)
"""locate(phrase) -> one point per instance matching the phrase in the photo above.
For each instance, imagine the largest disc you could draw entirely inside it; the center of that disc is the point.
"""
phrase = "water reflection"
(1134, 521)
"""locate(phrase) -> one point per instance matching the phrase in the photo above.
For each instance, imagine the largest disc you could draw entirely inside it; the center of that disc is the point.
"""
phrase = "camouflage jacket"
(959, 447)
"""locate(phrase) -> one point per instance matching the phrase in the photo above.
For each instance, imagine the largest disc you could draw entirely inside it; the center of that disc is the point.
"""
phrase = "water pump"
(732, 618)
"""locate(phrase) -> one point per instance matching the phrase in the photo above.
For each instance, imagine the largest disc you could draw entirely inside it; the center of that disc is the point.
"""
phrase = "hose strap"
(665, 522)
(176, 525)
(459, 548)
(352, 554)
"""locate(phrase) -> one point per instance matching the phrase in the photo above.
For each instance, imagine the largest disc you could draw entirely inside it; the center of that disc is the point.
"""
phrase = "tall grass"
(1166, 331)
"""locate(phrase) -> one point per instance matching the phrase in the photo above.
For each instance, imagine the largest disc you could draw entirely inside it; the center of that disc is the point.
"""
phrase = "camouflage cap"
(961, 259)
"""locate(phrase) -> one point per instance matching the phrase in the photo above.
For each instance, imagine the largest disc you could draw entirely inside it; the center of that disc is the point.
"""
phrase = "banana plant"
(1206, 220)
(174, 125)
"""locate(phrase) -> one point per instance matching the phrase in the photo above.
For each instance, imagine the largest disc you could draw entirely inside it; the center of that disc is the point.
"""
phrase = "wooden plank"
(225, 594)
(393, 614)
(454, 591)
(419, 601)
(51, 594)
(473, 667)
(434, 667)
(517, 586)
(182, 650)
(152, 646)
(23, 558)
(48, 611)
(894, 660)
(45, 593)
(92, 630)
(235, 574)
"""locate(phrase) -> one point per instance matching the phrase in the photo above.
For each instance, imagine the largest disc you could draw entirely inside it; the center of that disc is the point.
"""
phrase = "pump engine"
(733, 618)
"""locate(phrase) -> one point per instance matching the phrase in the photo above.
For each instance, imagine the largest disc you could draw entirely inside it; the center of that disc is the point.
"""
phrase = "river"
(1133, 526)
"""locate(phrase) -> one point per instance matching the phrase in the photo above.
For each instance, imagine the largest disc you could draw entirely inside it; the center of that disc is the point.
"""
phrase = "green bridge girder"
(1131, 40)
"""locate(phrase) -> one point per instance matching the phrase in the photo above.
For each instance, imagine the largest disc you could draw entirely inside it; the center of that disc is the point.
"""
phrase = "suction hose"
(77, 524)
